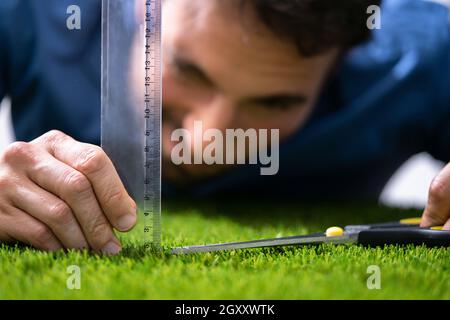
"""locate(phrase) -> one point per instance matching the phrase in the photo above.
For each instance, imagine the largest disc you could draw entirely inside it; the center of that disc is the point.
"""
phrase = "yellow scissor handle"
(337, 231)
(417, 222)
(411, 221)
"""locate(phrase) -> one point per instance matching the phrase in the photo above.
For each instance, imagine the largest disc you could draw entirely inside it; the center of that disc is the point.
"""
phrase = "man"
(349, 111)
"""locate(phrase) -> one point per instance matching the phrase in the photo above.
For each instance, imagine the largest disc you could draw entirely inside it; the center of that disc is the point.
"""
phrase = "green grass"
(321, 272)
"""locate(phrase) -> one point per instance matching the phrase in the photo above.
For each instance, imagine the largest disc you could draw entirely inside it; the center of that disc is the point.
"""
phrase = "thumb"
(437, 211)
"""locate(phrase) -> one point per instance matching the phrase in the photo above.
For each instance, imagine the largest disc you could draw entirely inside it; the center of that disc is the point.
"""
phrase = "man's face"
(225, 68)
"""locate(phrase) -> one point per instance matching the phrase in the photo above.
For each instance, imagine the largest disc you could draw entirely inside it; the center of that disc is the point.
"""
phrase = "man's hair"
(316, 26)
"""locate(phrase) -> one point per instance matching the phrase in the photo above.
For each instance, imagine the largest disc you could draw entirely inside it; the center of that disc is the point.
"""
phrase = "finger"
(71, 186)
(140, 11)
(26, 229)
(52, 211)
(92, 162)
(447, 225)
(75, 190)
(4, 236)
(437, 211)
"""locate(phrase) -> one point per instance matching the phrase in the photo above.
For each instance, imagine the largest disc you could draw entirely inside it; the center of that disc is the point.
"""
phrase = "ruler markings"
(152, 133)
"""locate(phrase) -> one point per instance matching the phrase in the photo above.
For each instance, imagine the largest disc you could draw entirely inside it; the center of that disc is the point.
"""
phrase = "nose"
(218, 113)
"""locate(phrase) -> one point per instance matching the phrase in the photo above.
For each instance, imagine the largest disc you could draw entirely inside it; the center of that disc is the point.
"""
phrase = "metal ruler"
(152, 134)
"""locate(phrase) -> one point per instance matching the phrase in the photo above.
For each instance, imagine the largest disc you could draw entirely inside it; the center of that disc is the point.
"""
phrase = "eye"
(190, 74)
(278, 105)
(268, 106)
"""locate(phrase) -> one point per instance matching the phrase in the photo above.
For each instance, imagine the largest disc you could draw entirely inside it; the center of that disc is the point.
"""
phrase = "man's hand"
(437, 212)
(58, 193)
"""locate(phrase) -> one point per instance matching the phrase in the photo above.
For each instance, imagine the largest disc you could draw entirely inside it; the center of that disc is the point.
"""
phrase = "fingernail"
(126, 222)
(134, 206)
(111, 248)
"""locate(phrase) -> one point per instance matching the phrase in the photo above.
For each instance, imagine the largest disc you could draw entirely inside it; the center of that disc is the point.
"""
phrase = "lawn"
(321, 272)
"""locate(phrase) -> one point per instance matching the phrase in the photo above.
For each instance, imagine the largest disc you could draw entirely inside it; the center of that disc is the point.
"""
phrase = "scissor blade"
(276, 242)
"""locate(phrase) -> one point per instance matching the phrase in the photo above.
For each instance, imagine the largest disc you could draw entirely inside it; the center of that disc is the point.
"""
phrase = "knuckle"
(54, 135)
(61, 213)
(50, 139)
(10, 183)
(77, 183)
(113, 197)
(431, 218)
(438, 191)
(99, 232)
(4, 182)
(42, 236)
(91, 160)
(18, 151)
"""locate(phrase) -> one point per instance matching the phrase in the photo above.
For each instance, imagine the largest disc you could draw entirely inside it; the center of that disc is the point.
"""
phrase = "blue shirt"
(389, 99)
(51, 75)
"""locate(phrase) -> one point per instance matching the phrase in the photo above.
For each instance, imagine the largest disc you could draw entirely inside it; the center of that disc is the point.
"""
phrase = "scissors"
(403, 232)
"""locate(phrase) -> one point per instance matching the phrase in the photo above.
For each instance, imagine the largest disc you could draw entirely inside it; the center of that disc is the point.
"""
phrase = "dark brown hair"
(316, 26)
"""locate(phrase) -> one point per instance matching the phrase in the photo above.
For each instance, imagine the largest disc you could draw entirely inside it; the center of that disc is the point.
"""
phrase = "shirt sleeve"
(440, 144)
(2, 89)
(2, 75)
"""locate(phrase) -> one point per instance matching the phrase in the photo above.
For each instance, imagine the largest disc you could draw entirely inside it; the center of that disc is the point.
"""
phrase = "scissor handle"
(404, 236)
(404, 223)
